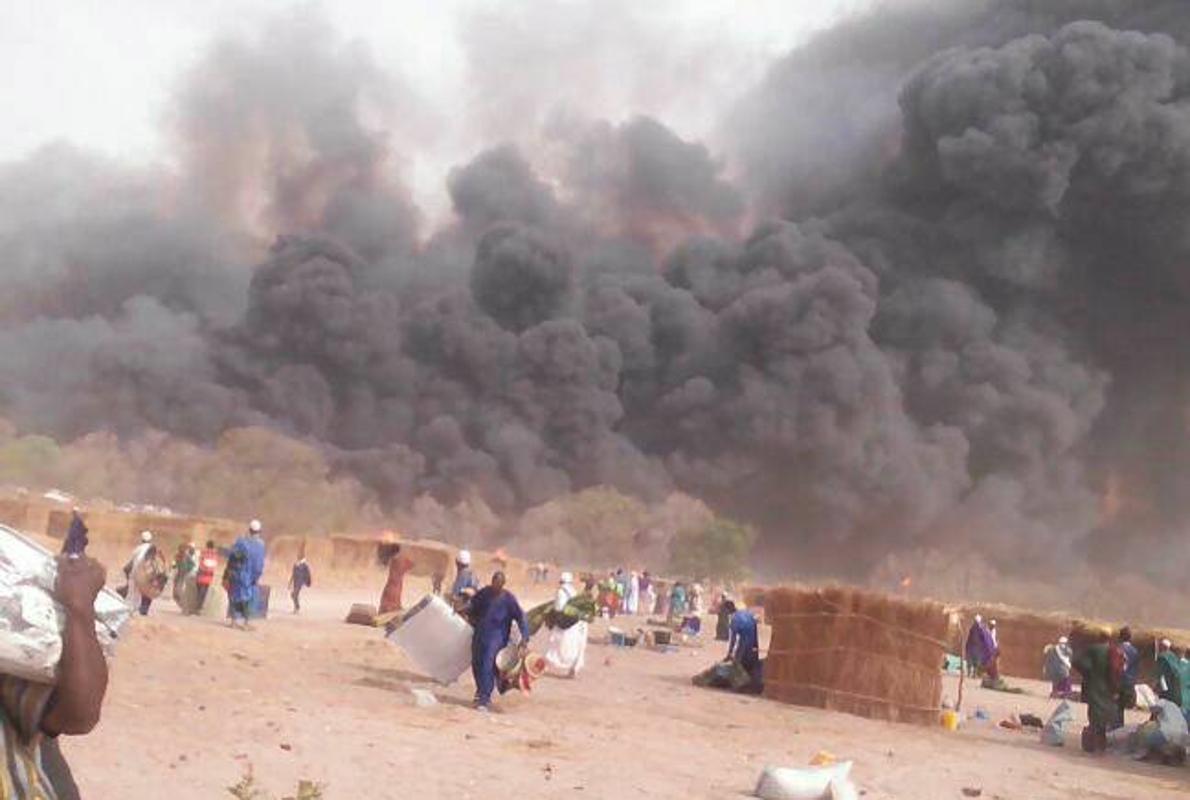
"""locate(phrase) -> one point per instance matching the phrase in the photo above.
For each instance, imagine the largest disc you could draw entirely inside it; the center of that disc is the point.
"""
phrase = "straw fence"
(858, 652)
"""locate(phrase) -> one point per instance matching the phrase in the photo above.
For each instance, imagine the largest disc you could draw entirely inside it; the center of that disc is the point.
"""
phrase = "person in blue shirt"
(465, 584)
(492, 611)
(743, 644)
(244, 567)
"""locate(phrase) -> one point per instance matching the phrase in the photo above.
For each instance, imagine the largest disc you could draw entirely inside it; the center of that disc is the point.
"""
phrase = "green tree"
(31, 461)
(719, 549)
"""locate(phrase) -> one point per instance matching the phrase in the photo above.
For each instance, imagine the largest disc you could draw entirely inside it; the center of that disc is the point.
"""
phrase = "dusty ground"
(192, 704)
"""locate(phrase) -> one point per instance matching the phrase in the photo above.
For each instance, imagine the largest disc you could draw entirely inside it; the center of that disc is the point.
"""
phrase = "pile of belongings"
(31, 621)
(724, 675)
(998, 684)
(580, 608)
(1164, 737)
(517, 671)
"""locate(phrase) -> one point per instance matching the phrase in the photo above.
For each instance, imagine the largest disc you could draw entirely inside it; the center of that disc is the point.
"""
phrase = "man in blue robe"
(493, 610)
(245, 566)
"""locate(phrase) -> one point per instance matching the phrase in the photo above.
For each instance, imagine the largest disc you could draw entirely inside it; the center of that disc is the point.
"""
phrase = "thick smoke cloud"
(519, 279)
(963, 323)
(291, 134)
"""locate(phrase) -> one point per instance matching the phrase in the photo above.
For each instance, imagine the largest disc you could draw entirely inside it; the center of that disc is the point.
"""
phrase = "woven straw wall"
(858, 652)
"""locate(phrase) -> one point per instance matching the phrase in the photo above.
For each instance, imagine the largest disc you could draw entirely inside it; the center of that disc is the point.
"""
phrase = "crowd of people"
(193, 571)
(498, 619)
(1110, 681)
(631, 593)
(1109, 671)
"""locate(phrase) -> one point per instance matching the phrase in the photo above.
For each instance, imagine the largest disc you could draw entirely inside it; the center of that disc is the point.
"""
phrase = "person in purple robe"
(981, 649)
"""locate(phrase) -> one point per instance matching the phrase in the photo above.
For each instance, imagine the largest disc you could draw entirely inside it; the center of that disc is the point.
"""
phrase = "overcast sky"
(101, 74)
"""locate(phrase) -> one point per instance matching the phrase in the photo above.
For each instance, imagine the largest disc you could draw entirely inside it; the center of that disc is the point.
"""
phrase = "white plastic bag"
(31, 621)
(1146, 698)
(811, 783)
(1058, 725)
(567, 649)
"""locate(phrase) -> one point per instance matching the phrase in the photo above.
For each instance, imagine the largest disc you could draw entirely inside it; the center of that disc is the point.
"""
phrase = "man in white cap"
(567, 649)
(134, 569)
(245, 565)
(465, 585)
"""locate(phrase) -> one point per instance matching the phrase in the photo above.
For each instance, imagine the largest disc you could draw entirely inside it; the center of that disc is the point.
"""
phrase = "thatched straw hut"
(429, 558)
(859, 652)
(752, 596)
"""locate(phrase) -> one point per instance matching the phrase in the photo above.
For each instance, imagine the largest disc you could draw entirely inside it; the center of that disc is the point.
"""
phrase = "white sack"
(31, 621)
(811, 783)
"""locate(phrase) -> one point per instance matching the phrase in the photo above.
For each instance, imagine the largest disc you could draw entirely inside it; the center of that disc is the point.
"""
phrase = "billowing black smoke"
(964, 321)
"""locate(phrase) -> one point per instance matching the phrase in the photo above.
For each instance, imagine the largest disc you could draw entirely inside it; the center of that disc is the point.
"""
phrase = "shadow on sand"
(400, 681)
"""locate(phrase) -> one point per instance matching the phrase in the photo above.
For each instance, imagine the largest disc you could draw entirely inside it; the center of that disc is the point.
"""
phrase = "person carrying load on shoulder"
(33, 715)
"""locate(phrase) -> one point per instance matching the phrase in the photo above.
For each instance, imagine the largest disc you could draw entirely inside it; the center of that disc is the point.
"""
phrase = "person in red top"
(207, 565)
(398, 566)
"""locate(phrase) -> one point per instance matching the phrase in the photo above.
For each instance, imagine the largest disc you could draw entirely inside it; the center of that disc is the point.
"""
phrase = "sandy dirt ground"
(192, 704)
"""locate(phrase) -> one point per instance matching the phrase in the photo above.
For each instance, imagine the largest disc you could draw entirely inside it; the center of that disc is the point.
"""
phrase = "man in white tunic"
(632, 600)
(567, 647)
(136, 600)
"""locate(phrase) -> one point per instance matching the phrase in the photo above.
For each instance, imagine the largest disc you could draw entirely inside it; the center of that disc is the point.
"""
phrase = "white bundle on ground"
(31, 621)
(566, 653)
(1060, 723)
(811, 783)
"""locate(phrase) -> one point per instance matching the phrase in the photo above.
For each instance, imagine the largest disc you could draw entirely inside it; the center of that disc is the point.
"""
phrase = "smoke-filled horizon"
(930, 298)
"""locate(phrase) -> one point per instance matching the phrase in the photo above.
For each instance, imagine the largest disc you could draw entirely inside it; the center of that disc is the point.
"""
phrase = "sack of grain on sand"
(30, 619)
(813, 783)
